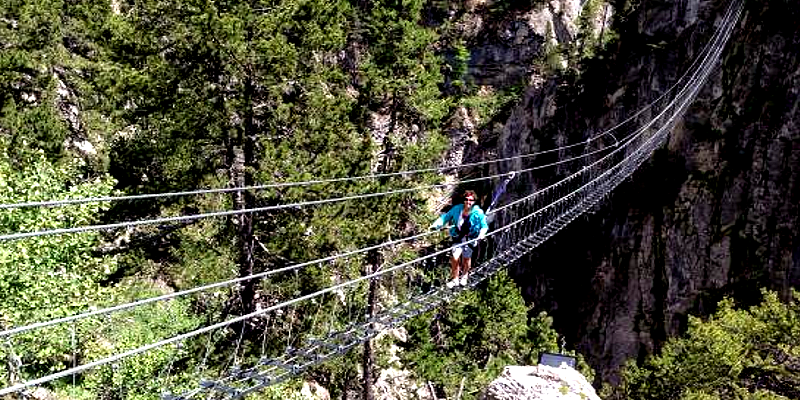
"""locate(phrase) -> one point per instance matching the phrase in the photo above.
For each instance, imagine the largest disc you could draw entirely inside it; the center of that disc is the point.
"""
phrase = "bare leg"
(454, 264)
(466, 264)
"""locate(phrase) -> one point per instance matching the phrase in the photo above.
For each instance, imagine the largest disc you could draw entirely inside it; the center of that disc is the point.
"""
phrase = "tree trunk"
(13, 363)
(368, 361)
(602, 27)
(246, 235)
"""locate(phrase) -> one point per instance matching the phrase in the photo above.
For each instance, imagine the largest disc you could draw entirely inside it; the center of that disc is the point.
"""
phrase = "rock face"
(714, 213)
(503, 49)
(540, 382)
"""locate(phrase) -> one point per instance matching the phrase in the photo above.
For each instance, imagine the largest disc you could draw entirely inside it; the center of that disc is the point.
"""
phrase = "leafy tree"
(401, 69)
(49, 276)
(735, 354)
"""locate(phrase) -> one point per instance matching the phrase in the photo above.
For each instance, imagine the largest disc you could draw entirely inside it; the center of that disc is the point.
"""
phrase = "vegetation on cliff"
(474, 338)
(737, 353)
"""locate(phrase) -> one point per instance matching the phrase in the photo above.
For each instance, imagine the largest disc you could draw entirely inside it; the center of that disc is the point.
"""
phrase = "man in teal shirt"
(467, 222)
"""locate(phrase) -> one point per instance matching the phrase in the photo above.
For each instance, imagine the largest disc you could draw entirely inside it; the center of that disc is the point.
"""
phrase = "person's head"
(469, 198)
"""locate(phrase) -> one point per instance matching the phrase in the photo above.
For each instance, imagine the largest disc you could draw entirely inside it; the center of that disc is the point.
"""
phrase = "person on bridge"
(467, 222)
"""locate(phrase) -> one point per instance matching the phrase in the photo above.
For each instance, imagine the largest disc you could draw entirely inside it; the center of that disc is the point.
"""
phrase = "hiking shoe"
(453, 283)
(464, 280)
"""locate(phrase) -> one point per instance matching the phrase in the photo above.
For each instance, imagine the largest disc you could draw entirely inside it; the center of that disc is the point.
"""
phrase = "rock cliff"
(714, 213)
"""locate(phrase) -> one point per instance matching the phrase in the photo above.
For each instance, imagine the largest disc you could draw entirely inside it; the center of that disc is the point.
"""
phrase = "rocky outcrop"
(67, 105)
(540, 382)
(312, 390)
(503, 48)
(714, 213)
(394, 382)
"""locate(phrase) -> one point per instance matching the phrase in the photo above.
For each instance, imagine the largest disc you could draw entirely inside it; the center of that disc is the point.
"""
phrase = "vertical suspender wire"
(73, 342)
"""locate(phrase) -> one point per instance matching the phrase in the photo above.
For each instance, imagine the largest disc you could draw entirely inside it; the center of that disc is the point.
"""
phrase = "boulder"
(540, 382)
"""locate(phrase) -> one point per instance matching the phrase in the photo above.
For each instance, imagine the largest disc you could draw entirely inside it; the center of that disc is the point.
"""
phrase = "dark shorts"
(461, 249)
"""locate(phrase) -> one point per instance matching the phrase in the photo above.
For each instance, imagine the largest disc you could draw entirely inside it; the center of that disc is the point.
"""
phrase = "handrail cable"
(169, 296)
(275, 307)
(245, 317)
(184, 218)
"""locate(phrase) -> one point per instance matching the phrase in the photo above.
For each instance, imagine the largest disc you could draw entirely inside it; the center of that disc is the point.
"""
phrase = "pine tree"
(476, 336)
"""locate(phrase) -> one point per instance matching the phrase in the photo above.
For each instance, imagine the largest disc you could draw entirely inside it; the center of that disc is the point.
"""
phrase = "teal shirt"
(477, 220)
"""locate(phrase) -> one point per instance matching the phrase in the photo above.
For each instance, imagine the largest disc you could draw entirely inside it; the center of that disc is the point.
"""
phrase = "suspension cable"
(242, 318)
(274, 185)
(238, 319)
(169, 296)
(185, 218)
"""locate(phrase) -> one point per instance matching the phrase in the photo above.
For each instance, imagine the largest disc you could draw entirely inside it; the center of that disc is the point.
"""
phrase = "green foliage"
(489, 105)
(53, 276)
(47, 277)
(402, 66)
(283, 391)
(460, 62)
(585, 40)
(39, 127)
(735, 354)
(141, 376)
(476, 336)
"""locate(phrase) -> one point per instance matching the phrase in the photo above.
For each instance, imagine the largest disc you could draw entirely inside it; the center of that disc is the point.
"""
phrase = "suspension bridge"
(598, 164)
